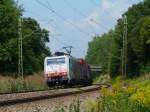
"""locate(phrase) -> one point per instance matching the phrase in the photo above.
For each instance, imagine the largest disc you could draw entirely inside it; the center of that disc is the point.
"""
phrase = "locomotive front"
(56, 70)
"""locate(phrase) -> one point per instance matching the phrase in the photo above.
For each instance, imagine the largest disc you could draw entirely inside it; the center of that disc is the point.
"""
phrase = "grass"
(103, 78)
(132, 95)
(30, 83)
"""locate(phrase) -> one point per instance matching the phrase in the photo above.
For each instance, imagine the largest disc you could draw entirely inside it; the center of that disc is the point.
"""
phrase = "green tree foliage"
(138, 43)
(34, 48)
(9, 14)
(34, 40)
(98, 50)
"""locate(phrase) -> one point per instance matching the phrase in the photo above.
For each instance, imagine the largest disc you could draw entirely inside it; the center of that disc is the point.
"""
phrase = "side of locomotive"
(66, 70)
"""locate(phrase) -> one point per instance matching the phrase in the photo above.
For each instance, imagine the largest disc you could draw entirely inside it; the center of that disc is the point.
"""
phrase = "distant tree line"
(34, 40)
(105, 50)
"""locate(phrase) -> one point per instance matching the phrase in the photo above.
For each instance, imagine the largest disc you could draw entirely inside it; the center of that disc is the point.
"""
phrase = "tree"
(9, 15)
(99, 51)
(34, 45)
(34, 40)
(140, 42)
(138, 58)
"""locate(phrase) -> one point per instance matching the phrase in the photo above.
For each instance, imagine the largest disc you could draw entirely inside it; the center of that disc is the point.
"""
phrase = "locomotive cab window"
(56, 61)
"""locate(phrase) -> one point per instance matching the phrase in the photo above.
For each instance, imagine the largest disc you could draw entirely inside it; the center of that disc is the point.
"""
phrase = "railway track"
(25, 97)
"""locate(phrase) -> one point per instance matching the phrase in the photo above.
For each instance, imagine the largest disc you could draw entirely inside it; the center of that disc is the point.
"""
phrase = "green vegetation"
(34, 40)
(124, 96)
(30, 83)
(130, 95)
(105, 50)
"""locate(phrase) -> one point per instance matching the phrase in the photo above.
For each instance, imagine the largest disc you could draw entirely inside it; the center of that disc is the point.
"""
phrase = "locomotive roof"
(51, 57)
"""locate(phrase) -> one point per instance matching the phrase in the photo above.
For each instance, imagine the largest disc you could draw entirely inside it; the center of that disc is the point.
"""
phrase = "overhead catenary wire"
(101, 25)
(96, 22)
(79, 12)
(95, 4)
(59, 41)
(61, 17)
(38, 15)
(84, 15)
(48, 22)
(33, 32)
(54, 36)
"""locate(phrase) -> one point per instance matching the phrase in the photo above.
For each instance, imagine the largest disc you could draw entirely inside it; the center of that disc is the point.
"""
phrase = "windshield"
(56, 61)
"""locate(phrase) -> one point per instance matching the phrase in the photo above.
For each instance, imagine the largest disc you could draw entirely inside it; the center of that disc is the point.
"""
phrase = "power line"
(84, 15)
(33, 32)
(52, 35)
(61, 17)
(36, 14)
(94, 21)
(95, 4)
(101, 25)
(79, 12)
(75, 9)
(20, 48)
(59, 41)
(45, 23)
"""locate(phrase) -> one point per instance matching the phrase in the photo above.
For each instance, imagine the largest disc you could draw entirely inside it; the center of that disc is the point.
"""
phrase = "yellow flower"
(142, 97)
(131, 90)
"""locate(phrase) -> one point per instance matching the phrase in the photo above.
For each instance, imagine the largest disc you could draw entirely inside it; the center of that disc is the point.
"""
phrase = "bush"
(145, 69)
(124, 96)
(101, 79)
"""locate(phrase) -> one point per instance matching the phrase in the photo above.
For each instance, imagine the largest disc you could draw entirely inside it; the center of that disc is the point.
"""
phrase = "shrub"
(124, 96)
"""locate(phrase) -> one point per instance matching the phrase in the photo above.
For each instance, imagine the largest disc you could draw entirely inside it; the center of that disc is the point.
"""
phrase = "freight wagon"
(66, 70)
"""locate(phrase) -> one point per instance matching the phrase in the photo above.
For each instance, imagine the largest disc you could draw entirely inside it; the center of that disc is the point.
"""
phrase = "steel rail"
(73, 91)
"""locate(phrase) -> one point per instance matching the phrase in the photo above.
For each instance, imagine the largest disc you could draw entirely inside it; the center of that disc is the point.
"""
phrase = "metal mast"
(20, 58)
(124, 49)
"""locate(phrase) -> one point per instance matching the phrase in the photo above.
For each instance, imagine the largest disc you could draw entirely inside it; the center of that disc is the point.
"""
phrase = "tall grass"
(30, 83)
(102, 78)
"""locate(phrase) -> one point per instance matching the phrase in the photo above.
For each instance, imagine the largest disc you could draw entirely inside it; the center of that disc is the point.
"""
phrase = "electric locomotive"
(64, 69)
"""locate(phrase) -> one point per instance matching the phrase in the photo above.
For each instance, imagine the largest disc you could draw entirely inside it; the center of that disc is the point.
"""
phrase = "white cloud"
(106, 14)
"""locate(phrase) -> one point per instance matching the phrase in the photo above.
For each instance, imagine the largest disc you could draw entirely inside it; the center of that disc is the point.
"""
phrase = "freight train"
(66, 70)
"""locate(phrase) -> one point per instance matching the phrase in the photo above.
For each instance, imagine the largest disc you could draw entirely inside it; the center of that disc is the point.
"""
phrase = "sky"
(75, 22)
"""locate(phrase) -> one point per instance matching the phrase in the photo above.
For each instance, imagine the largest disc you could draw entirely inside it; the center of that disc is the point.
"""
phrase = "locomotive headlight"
(65, 73)
(48, 75)
(65, 76)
